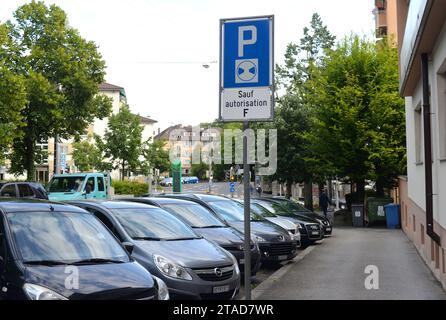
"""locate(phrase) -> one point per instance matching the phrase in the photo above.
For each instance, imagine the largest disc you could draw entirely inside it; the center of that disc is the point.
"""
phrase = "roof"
(161, 201)
(109, 87)
(31, 205)
(147, 120)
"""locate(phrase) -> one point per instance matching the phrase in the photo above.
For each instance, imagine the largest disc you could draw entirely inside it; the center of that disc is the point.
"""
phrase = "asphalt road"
(335, 269)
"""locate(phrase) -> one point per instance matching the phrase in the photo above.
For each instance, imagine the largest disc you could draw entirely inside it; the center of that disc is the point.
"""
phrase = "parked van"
(77, 186)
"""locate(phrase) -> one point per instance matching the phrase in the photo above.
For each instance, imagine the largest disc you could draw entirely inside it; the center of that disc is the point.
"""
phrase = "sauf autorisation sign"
(247, 69)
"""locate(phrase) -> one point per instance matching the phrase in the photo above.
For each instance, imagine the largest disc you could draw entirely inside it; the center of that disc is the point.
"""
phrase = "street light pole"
(210, 160)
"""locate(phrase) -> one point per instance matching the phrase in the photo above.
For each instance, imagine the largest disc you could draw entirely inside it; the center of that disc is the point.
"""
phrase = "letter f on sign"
(241, 38)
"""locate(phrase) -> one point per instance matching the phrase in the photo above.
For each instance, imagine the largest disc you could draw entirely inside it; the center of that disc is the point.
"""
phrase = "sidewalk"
(335, 268)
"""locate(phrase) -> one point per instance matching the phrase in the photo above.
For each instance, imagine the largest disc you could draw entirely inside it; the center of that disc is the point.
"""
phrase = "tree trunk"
(288, 189)
(308, 194)
(122, 170)
(360, 189)
(29, 159)
(379, 188)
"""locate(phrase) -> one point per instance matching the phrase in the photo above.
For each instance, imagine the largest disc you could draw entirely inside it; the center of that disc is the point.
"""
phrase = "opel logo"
(218, 272)
(281, 238)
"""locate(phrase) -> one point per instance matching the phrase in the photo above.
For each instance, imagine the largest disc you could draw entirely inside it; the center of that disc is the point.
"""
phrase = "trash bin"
(392, 215)
(375, 210)
(358, 214)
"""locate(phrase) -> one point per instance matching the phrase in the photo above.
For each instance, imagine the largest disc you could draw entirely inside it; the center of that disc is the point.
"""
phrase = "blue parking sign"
(247, 69)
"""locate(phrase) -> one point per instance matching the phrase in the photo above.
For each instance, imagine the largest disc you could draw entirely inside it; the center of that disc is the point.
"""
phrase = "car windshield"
(291, 205)
(232, 210)
(195, 215)
(153, 224)
(275, 208)
(66, 184)
(63, 237)
(257, 208)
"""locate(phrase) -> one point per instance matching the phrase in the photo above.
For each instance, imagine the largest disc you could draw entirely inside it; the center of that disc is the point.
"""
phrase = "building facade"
(387, 22)
(423, 84)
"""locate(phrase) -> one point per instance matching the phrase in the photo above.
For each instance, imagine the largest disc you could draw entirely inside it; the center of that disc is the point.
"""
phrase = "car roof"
(31, 205)
(112, 204)
(161, 200)
(79, 174)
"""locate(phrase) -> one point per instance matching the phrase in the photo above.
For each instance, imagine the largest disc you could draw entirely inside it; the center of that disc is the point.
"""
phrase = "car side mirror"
(128, 246)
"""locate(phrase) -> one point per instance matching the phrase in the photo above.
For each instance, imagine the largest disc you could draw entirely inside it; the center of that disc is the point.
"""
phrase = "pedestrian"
(324, 201)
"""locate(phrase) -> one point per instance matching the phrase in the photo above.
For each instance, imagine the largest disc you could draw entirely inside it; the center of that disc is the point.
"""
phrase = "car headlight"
(163, 291)
(236, 267)
(298, 226)
(259, 239)
(170, 268)
(35, 292)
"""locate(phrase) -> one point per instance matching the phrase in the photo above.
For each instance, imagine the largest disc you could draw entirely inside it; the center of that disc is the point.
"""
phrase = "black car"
(301, 210)
(310, 230)
(52, 251)
(28, 190)
(276, 244)
(191, 266)
(204, 222)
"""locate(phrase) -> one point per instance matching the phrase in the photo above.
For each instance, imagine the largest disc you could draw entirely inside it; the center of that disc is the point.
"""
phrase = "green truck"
(76, 186)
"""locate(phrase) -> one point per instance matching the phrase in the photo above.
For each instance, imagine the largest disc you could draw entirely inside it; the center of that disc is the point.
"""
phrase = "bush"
(130, 187)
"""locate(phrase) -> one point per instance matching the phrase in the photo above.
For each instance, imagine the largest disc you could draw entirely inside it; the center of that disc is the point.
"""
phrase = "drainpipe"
(428, 151)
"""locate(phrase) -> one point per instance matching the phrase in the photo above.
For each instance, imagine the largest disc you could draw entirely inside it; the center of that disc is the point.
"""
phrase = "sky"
(156, 49)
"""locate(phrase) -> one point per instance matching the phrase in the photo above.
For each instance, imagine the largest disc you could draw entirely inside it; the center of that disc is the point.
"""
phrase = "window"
(101, 186)
(9, 191)
(418, 136)
(414, 226)
(441, 83)
(422, 234)
(25, 191)
(91, 183)
(106, 221)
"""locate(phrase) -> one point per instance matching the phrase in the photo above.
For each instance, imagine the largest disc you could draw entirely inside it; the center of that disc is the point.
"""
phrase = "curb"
(276, 276)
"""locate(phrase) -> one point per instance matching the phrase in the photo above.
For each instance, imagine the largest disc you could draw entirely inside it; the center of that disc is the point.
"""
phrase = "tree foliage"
(62, 72)
(122, 140)
(155, 156)
(87, 156)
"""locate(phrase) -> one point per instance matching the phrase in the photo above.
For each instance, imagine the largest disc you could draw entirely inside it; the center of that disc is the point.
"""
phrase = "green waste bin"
(376, 212)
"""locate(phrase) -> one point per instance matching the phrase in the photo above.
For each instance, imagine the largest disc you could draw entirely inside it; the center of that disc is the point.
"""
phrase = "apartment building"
(423, 84)
(387, 22)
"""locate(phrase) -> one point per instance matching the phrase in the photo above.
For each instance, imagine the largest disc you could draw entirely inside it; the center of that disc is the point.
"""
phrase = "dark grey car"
(205, 223)
(192, 267)
(275, 243)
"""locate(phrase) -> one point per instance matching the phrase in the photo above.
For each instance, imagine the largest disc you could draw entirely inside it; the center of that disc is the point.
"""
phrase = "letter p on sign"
(241, 38)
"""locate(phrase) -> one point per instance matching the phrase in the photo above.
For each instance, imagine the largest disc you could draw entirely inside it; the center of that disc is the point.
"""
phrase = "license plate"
(315, 233)
(242, 261)
(282, 257)
(220, 289)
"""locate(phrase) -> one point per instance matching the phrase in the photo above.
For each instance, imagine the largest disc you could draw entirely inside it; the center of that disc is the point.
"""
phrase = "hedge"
(130, 187)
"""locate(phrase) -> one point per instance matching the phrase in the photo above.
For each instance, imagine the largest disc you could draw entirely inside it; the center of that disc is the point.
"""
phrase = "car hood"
(222, 236)
(265, 229)
(284, 223)
(198, 253)
(110, 281)
(65, 196)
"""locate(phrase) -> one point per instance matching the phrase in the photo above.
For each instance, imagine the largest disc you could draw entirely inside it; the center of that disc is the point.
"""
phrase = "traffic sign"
(247, 69)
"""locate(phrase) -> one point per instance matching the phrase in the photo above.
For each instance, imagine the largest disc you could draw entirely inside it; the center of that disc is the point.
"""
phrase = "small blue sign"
(247, 56)
(231, 189)
(232, 184)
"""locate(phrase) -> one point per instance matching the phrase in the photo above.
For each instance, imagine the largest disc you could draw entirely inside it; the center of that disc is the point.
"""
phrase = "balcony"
(381, 4)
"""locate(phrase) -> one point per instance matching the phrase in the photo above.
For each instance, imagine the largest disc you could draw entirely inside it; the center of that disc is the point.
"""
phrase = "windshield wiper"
(96, 261)
(178, 239)
(147, 238)
(49, 263)
(210, 226)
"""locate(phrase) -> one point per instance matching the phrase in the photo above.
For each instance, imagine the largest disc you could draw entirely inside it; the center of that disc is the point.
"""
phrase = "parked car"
(29, 190)
(205, 223)
(310, 229)
(190, 180)
(76, 186)
(276, 244)
(166, 182)
(299, 209)
(191, 266)
(42, 244)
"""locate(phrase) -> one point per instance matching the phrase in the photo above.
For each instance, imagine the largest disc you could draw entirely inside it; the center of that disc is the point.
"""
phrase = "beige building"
(423, 84)
(387, 22)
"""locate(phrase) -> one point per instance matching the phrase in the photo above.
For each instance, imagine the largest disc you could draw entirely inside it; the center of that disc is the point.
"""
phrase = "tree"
(87, 156)
(155, 156)
(12, 94)
(122, 140)
(62, 72)
(296, 162)
(359, 124)
(199, 170)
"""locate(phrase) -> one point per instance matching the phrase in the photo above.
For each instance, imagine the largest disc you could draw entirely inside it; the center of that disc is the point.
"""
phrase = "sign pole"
(247, 214)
